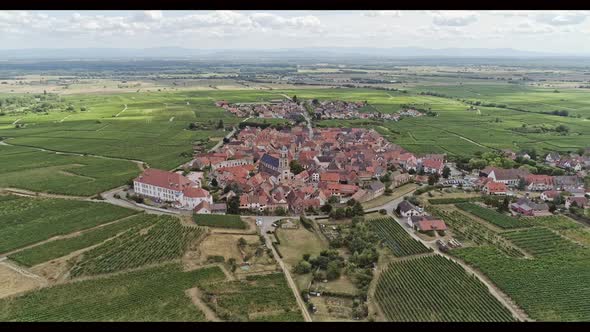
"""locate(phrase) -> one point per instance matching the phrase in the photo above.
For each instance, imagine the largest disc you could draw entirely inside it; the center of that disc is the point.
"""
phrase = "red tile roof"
(164, 179)
(496, 187)
(330, 177)
(195, 192)
(431, 224)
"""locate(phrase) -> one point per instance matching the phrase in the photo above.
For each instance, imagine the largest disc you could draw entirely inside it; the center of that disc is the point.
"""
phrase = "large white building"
(170, 187)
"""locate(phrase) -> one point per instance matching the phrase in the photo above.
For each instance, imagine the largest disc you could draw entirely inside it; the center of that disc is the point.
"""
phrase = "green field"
(31, 169)
(257, 298)
(499, 219)
(62, 247)
(396, 238)
(541, 241)
(165, 240)
(221, 221)
(435, 289)
(25, 221)
(155, 294)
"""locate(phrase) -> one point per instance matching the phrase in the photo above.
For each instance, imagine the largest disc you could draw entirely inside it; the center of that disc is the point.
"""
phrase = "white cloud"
(454, 18)
(562, 18)
(381, 13)
(150, 15)
(526, 27)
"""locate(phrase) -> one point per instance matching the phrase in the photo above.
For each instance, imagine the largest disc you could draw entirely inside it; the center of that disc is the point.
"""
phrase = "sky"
(566, 32)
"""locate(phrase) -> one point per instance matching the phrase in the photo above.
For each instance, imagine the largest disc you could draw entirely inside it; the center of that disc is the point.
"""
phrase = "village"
(298, 170)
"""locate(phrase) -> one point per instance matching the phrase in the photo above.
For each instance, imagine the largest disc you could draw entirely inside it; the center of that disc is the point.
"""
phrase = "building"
(495, 188)
(510, 177)
(537, 182)
(407, 209)
(426, 223)
(527, 207)
(580, 202)
(549, 195)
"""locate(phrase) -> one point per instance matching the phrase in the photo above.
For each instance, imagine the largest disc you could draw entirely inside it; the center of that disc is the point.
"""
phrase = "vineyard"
(221, 221)
(154, 294)
(25, 221)
(396, 238)
(259, 298)
(496, 218)
(548, 287)
(62, 247)
(166, 240)
(454, 200)
(465, 228)
(435, 289)
(541, 241)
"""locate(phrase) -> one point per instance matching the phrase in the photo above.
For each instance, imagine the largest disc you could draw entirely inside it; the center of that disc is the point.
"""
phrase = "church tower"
(284, 164)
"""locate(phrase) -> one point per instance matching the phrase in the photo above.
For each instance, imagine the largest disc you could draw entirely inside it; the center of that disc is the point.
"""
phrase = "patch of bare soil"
(195, 295)
(13, 281)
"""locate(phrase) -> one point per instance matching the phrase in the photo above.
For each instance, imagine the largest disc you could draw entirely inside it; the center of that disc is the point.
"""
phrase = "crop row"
(494, 217)
(166, 240)
(396, 238)
(540, 241)
(433, 288)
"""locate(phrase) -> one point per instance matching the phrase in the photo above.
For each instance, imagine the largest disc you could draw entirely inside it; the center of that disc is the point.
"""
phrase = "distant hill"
(296, 53)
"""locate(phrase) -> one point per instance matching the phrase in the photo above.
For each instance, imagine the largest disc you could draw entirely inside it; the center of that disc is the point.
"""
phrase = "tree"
(432, 179)
(333, 270)
(295, 99)
(214, 182)
(295, 167)
(326, 208)
(339, 213)
(562, 129)
(280, 211)
(333, 199)
(192, 126)
(220, 124)
(83, 109)
(302, 267)
(357, 209)
(446, 172)
(233, 205)
(521, 184)
(242, 242)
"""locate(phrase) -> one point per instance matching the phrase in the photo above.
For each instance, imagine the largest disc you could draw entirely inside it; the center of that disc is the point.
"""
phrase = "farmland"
(25, 221)
(396, 238)
(494, 217)
(165, 240)
(409, 291)
(220, 221)
(540, 241)
(257, 298)
(62, 247)
(134, 296)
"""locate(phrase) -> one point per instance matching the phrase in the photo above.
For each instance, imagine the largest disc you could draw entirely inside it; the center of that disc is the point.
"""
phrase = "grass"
(266, 297)
(540, 241)
(62, 247)
(499, 219)
(25, 221)
(220, 221)
(135, 296)
(383, 199)
(435, 289)
(166, 240)
(294, 243)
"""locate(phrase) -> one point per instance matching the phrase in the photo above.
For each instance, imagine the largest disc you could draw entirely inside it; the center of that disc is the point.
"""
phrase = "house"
(400, 179)
(432, 166)
(407, 209)
(552, 157)
(426, 223)
(549, 195)
(510, 177)
(495, 188)
(527, 207)
(536, 182)
(330, 177)
(191, 197)
(567, 181)
(377, 188)
(580, 202)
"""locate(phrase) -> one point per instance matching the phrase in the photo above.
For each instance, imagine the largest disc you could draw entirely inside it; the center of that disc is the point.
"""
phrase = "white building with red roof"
(170, 187)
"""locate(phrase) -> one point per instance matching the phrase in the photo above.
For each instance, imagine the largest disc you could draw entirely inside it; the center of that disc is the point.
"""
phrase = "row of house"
(417, 219)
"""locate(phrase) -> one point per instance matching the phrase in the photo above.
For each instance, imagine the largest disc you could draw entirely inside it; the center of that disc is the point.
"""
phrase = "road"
(290, 281)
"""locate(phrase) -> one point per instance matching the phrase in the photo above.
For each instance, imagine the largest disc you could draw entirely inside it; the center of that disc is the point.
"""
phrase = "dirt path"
(195, 295)
(116, 116)
(517, 312)
(290, 280)
(62, 120)
(28, 193)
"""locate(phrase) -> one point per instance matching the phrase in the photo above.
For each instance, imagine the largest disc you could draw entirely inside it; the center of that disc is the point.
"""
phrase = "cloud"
(527, 27)
(562, 18)
(149, 15)
(454, 18)
(381, 13)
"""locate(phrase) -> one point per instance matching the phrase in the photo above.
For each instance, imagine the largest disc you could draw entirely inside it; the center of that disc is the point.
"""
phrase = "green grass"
(540, 241)
(155, 294)
(455, 200)
(435, 289)
(62, 247)
(499, 219)
(165, 240)
(259, 296)
(25, 221)
(221, 221)
(31, 169)
(396, 238)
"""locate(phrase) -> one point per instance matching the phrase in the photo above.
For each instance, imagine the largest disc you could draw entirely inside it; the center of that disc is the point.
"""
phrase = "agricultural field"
(61, 247)
(541, 241)
(220, 221)
(257, 298)
(396, 238)
(294, 243)
(167, 239)
(435, 289)
(133, 296)
(25, 221)
(499, 219)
